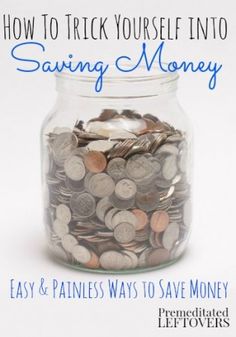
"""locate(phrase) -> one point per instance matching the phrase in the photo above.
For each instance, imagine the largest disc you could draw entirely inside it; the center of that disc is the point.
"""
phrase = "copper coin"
(159, 221)
(95, 161)
(157, 257)
(93, 262)
(142, 218)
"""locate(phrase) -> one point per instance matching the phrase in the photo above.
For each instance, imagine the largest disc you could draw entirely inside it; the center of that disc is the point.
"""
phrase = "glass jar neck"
(128, 86)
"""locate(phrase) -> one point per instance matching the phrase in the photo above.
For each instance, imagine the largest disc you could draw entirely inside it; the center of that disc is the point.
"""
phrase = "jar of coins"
(116, 173)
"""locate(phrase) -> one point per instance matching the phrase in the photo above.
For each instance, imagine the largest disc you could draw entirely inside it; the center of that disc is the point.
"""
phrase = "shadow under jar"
(116, 173)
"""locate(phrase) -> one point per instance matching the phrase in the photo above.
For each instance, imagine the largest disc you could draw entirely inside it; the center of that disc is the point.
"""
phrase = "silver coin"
(68, 242)
(116, 168)
(109, 216)
(125, 189)
(83, 204)
(74, 168)
(121, 204)
(169, 149)
(142, 261)
(60, 228)
(133, 257)
(81, 254)
(101, 185)
(101, 145)
(138, 168)
(148, 201)
(123, 216)
(124, 232)
(169, 169)
(103, 206)
(170, 235)
(187, 213)
(112, 260)
(63, 145)
(74, 186)
(63, 214)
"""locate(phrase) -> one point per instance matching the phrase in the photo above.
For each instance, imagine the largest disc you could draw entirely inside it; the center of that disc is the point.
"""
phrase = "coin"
(101, 145)
(133, 257)
(95, 161)
(169, 169)
(83, 204)
(170, 235)
(112, 260)
(68, 242)
(74, 168)
(141, 218)
(124, 232)
(93, 262)
(138, 167)
(123, 216)
(101, 185)
(169, 149)
(157, 257)
(159, 221)
(103, 206)
(60, 228)
(121, 204)
(125, 189)
(116, 168)
(187, 213)
(148, 201)
(63, 144)
(121, 134)
(81, 254)
(63, 214)
(109, 216)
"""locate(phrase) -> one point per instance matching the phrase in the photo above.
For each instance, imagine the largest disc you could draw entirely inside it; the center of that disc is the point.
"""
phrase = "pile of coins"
(116, 192)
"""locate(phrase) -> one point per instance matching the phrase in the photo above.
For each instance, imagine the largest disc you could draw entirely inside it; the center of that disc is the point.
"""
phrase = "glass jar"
(116, 173)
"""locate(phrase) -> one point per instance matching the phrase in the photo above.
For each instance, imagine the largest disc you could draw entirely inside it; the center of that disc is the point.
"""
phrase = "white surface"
(25, 100)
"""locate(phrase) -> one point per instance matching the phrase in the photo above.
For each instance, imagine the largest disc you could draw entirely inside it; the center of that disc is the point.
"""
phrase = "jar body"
(117, 187)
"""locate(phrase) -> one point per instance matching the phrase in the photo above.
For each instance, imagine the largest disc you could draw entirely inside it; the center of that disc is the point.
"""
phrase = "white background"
(25, 101)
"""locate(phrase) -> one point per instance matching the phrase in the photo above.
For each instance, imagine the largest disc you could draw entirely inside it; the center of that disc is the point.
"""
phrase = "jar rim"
(139, 83)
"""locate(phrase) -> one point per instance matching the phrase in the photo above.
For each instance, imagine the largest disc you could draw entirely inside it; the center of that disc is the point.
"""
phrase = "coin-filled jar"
(116, 173)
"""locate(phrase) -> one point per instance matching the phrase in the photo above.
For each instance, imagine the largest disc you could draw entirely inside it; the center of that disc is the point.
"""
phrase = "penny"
(157, 257)
(169, 168)
(74, 168)
(101, 145)
(112, 260)
(63, 214)
(148, 201)
(124, 232)
(93, 262)
(83, 204)
(81, 254)
(68, 242)
(159, 221)
(60, 228)
(63, 145)
(103, 206)
(123, 216)
(170, 235)
(95, 161)
(116, 168)
(141, 218)
(101, 185)
(125, 189)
